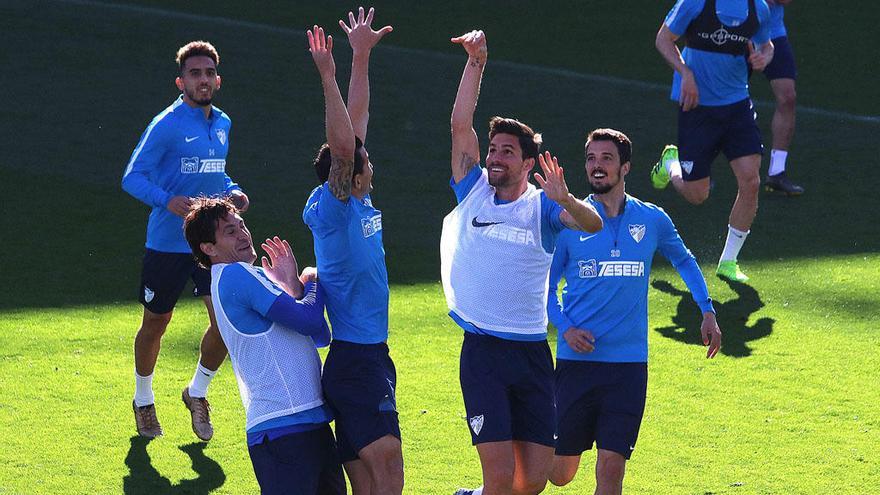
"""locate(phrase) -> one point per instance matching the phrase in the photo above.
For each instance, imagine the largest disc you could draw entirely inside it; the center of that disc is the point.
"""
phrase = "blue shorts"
(706, 131)
(782, 66)
(304, 462)
(359, 383)
(163, 277)
(599, 402)
(508, 389)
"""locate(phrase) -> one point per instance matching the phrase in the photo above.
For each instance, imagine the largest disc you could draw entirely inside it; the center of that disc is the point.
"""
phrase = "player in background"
(359, 376)
(602, 349)
(710, 83)
(495, 251)
(181, 155)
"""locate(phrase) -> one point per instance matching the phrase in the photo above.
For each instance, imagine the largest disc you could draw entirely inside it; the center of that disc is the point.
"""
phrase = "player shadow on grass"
(143, 478)
(732, 318)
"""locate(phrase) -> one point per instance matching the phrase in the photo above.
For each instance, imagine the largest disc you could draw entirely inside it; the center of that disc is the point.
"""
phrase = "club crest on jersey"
(637, 232)
(148, 294)
(476, 424)
(221, 135)
(371, 225)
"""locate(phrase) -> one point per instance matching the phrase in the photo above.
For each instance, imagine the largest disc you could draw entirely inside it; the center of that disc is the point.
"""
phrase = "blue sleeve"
(230, 185)
(673, 248)
(326, 211)
(247, 288)
(551, 223)
(143, 162)
(765, 25)
(554, 305)
(682, 14)
(467, 183)
(305, 316)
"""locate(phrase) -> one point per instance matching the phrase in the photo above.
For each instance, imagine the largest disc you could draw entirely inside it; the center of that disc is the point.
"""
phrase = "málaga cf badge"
(637, 232)
(221, 135)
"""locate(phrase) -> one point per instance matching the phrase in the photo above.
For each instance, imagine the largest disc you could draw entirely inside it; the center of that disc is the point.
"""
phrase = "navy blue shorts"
(359, 383)
(508, 389)
(599, 402)
(782, 66)
(305, 463)
(163, 277)
(706, 131)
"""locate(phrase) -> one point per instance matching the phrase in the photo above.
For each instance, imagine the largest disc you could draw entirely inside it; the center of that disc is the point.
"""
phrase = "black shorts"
(359, 382)
(508, 389)
(782, 66)
(304, 463)
(163, 277)
(706, 131)
(599, 402)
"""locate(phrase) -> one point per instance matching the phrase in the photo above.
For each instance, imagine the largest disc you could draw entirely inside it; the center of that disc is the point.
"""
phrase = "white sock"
(673, 167)
(735, 240)
(777, 162)
(143, 390)
(478, 491)
(198, 387)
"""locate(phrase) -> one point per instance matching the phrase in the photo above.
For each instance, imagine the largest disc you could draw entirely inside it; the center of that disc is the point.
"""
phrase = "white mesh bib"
(493, 266)
(278, 371)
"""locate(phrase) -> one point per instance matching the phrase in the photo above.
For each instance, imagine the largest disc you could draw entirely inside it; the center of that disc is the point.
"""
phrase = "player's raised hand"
(711, 334)
(321, 48)
(553, 181)
(474, 43)
(579, 340)
(361, 35)
(281, 266)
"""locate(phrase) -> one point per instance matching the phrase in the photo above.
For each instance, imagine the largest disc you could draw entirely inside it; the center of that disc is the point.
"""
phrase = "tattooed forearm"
(476, 62)
(466, 164)
(339, 180)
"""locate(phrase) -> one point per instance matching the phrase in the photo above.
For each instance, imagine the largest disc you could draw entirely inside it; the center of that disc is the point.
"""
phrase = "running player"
(359, 376)
(602, 349)
(181, 155)
(711, 85)
(495, 251)
(271, 323)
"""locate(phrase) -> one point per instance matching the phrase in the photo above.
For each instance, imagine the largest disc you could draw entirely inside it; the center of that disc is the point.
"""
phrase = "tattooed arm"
(340, 134)
(465, 145)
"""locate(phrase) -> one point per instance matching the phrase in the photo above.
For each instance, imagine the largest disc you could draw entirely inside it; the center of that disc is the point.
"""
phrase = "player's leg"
(295, 460)
(564, 469)
(610, 467)
(783, 117)
(359, 477)
(577, 411)
(532, 464)
(782, 73)
(688, 166)
(383, 460)
(498, 465)
(163, 276)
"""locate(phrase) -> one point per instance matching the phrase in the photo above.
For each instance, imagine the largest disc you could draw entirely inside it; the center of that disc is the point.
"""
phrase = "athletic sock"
(198, 387)
(478, 491)
(735, 240)
(673, 167)
(143, 390)
(777, 162)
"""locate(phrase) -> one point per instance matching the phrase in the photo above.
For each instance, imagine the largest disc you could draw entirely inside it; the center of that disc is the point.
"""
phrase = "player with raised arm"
(271, 324)
(710, 84)
(496, 249)
(602, 349)
(181, 155)
(359, 376)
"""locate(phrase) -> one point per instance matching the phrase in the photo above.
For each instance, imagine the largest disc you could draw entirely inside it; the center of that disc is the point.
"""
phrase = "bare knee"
(749, 185)
(610, 469)
(498, 477)
(786, 99)
(563, 471)
(696, 196)
(154, 324)
(532, 487)
(384, 460)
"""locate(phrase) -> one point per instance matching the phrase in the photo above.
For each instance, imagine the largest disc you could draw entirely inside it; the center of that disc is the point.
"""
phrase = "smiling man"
(181, 155)
(602, 352)
(271, 319)
(495, 251)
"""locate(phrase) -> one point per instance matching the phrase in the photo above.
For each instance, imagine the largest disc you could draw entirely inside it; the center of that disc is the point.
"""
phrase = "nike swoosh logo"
(190, 139)
(585, 237)
(477, 223)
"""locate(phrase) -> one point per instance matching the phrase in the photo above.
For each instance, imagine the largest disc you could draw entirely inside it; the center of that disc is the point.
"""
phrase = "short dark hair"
(624, 145)
(196, 49)
(200, 224)
(529, 140)
(322, 161)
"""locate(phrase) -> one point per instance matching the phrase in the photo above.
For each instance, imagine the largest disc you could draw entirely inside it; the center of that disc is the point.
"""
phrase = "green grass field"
(788, 407)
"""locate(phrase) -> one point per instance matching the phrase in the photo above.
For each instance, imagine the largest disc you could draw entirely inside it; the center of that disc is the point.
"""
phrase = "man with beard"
(181, 155)
(496, 249)
(602, 352)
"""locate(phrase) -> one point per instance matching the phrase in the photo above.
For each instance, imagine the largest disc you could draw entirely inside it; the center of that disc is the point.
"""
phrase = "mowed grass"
(788, 407)
(796, 415)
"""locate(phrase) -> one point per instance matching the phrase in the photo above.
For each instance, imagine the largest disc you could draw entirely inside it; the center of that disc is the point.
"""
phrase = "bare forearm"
(581, 216)
(468, 93)
(665, 43)
(359, 93)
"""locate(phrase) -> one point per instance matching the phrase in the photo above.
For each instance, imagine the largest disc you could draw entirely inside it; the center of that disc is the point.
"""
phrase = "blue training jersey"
(721, 78)
(248, 297)
(351, 264)
(551, 226)
(179, 154)
(607, 274)
(777, 21)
